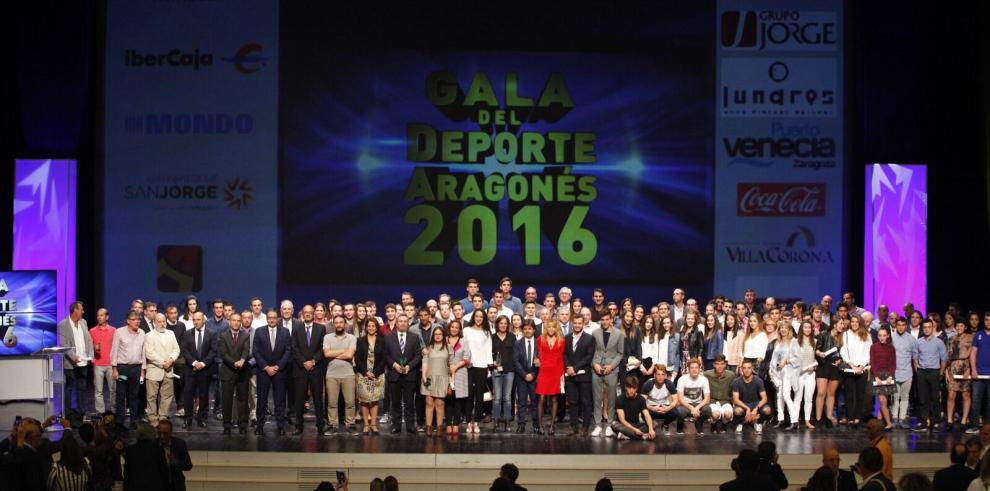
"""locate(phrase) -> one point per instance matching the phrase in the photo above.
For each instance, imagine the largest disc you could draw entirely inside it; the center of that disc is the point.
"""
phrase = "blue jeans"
(980, 406)
(502, 395)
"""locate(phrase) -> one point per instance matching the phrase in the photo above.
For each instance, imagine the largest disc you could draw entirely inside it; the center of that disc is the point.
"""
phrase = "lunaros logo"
(792, 252)
(790, 87)
(238, 193)
(246, 60)
(780, 199)
(190, 124)
(779, 30)
(173, 58)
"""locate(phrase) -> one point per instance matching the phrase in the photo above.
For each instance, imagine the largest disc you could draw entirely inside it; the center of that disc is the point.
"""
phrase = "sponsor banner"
(791, 87)
(784, 29)
(779, 207)
(190, 151)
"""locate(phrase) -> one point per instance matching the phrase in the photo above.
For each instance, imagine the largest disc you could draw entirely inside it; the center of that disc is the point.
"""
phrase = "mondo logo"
(780, 199)
(779, 30)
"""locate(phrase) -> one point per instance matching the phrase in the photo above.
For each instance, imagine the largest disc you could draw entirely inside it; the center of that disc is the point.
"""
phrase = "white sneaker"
(608, 431)
(597, 432)
(759, 428)
(622, 436)
(739, 429)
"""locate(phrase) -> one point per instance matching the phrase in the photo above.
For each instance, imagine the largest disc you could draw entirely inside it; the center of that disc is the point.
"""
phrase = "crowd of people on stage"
(611, 368)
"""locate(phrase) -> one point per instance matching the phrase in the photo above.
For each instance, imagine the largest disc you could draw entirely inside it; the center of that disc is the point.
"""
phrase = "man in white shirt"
(73, 332)
(498, 301)
(590, 326)
(678, 307)
(694, 395)
(258, 318)
(160, 351)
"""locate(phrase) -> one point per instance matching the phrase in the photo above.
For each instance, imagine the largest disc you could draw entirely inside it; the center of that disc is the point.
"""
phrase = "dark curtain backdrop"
(917, 84)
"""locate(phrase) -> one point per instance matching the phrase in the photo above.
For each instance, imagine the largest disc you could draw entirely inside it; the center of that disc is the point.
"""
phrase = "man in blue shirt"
(979, 360)
(512, 303)
(468, 301)
(929, 361)
(904, 347)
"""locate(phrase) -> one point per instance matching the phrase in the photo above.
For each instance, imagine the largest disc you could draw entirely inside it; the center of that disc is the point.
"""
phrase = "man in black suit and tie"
(522, 358)
(287, 321)
(309, 369)
(271, 358)
(579, 352)
(403, 357)
(176, 454)
(234, 346)
(198, 347)
(957, 476)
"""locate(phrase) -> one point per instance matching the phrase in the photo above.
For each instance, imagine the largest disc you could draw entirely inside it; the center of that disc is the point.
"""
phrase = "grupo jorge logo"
(778, 30)
(248, 59)
(792, 87)
(198, 123)
(803, 145)
(780, 199)
(800, 246)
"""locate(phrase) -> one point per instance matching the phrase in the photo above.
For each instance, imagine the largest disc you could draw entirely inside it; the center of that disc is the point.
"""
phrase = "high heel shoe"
(539, 430)
(374, 429)
(793, 427)
(429, 430)
(553, 428)
(366, 430)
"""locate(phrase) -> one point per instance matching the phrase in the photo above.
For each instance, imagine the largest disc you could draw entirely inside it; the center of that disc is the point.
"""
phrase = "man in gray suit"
(609, 343)
(73, 332)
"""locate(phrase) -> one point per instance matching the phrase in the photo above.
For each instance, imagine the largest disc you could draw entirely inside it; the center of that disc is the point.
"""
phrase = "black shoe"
(186, 424)
(298, 431)
(226, 431)
(201, 424)
(352, 429)
(132, 426)
(575, 431)
(242, 430)
(521, 428)
(497, 427)
(281, 432)
(259, 430)
(553, 429)
(396, 429)
(411, 430)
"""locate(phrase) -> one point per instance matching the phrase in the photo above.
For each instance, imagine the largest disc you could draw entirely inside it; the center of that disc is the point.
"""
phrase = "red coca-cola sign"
(780, 199)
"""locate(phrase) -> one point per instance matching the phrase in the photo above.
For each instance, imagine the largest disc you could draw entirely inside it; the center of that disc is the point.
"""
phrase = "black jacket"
(145, 468)
(361, 356)
(580, 359)
(955, 477)
(179, 461)
(774, 472)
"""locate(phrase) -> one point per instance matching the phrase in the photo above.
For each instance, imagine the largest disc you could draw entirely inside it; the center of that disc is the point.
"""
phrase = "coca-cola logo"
(780, 199)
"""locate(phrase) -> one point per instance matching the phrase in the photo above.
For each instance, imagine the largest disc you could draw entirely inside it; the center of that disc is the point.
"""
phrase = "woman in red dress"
(550, 360)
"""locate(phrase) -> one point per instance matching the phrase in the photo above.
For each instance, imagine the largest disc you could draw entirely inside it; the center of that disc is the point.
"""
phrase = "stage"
(471, 462)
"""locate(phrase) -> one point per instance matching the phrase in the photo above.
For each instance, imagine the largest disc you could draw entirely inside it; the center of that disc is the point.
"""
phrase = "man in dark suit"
(957, 476)
(870, 468)
(747, 476)
(271, 360)
(234, 346)
(309, 369)
(579, 352)
(522, 360)
(145, 466)
(846, 481)
(287, 321)
(198, 347)
(176, 454)
(403, 357)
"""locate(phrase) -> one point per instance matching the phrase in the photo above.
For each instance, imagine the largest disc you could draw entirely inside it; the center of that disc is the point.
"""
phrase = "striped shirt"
(62, 479)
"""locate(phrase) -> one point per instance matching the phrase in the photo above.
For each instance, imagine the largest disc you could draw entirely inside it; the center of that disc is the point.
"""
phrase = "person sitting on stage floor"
(749, 397)
(633, 419)
(693, 394)
(661, 399)
(720, 381)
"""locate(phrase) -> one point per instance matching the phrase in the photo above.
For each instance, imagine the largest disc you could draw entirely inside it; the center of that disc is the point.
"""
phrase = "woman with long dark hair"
(714, 340)
(457, 396)
(479, 342)
(883, 364)
(827, 373)
(855, 352)
(369, 367)
(958, 353)
(437, 359)
(71, 472)
(503, 344)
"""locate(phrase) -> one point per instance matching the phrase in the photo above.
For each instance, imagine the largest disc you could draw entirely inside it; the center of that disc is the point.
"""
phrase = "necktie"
(235, 337)
(402, 343)
(199, 339)
(271, 334)
(529, 352)
(308, 338)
